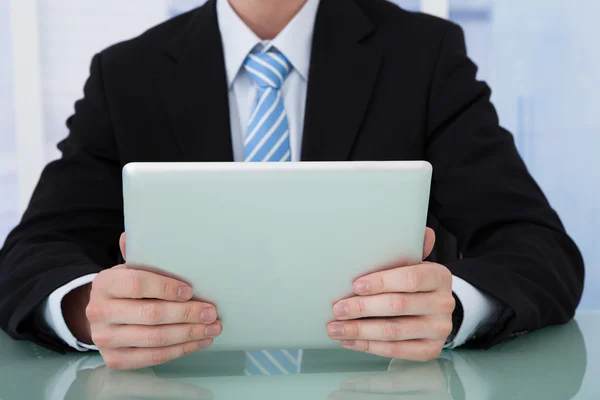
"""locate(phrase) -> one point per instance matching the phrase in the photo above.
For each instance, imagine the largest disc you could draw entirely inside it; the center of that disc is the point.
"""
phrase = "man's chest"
(178, 119)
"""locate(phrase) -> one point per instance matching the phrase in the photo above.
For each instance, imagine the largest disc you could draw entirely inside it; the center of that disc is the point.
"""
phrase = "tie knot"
(267, 69)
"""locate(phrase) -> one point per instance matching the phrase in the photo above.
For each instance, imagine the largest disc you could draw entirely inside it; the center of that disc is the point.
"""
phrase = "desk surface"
(555, 363)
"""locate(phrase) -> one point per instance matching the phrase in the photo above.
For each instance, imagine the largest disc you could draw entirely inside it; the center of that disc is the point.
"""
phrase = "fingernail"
(340, 309)
(348, 343)
(184, 292)
(213, 330)
(208, 315)
(361, 286)
(336, 330)
(205, 343)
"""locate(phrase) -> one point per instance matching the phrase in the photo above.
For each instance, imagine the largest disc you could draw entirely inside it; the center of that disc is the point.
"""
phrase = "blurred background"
(540, 57)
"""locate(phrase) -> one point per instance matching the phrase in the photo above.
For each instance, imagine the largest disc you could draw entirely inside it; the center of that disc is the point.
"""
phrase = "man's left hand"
(405, 312)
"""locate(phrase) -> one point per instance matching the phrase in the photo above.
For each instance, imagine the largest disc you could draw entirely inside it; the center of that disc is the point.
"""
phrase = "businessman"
(279, 81)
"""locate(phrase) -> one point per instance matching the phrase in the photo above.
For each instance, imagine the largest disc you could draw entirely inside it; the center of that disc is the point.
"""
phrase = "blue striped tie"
(268, 134)
(273, 362)
(268, 139)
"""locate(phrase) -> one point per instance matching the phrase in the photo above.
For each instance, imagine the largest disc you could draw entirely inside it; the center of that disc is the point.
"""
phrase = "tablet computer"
(274, 245)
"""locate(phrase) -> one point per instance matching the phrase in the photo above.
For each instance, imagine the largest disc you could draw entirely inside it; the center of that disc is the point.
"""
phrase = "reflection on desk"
(549, 364)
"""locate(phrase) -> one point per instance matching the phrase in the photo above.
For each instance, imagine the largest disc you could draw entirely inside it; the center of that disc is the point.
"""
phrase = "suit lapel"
(342, 76)
(195, 90)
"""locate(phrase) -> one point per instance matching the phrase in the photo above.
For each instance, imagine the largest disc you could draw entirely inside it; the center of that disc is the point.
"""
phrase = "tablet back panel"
(274, 245)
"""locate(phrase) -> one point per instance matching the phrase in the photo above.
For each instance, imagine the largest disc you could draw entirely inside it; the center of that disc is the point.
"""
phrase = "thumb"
(123, 246)
(428, 243)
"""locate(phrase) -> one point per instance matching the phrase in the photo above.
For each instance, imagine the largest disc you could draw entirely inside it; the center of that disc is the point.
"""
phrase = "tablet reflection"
(103, 384)
(405, 380)
(549, 364)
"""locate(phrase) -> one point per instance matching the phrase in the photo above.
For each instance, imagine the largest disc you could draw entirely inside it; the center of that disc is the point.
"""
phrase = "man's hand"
(139, 319)
(405, 312)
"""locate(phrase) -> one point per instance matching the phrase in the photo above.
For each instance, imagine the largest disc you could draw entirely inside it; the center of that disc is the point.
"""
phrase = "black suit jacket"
(384, 84)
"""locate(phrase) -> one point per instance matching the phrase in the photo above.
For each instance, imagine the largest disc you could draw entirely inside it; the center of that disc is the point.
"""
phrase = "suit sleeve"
(72, 225)
(512, 242)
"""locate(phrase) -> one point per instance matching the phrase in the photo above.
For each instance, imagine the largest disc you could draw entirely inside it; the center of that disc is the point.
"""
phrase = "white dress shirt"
(295, 42)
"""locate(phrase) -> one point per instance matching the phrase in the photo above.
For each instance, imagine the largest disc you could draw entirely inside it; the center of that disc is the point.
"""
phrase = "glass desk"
(555, 363)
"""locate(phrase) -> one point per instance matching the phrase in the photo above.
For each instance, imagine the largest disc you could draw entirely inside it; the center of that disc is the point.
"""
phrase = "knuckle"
(94, 312)
(113, 361)
(356, 306)
(158, 357)
(445, 276)
(168, 290)
(101, 279)
(97, 282)
(360, 306)
(134, 285)
(444, 329)
(157, 338)
(352, 329)
(392, 331)
(382, 282)
(96, 287)
(428, 352)
(189, 348)
(398, 304)
(395, 351)
(433, 350)
(128, 281)
(151, 313)
(187, 312)
(365, 346)
(195, 332)
(447, 304)
(191, 312)
(101, 340)
(412, 280)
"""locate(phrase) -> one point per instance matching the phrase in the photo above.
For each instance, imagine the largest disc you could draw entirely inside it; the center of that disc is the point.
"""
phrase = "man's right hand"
(139, 319)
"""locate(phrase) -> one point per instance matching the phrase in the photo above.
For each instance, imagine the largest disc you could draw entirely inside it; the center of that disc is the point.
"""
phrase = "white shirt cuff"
(53, 316)
(479, 310)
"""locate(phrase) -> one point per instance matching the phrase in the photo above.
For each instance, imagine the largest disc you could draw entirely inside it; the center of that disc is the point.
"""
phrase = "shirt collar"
(294, 41)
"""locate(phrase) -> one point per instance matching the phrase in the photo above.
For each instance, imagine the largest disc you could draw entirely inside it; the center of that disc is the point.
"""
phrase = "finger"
(136, 284)
(414, 278)
(134, 358)
(122, 245)
(414, 350)
(392, 329)
(151, 312)
(429, 242)
(119, 336)
(394, 305)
